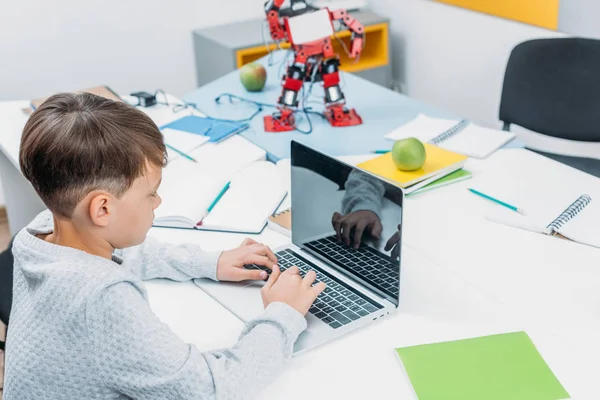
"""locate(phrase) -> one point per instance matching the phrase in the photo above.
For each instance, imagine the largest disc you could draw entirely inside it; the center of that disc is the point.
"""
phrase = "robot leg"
(335, 111)
(283, 119)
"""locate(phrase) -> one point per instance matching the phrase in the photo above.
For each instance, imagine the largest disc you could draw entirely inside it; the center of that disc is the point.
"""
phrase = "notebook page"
(477, 141)
(179, 141)
(542, 200)
(187, 190)
(254, 194)
(585, 227)
(183, 141)
(423, 127)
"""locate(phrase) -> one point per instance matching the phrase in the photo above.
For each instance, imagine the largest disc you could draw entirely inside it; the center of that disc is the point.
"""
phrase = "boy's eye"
(154, 194)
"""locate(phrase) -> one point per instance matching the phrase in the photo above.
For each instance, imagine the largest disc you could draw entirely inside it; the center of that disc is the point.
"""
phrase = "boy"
(81, 326)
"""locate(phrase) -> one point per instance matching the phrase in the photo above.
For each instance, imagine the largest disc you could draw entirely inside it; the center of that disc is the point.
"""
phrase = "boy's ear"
(101, 209)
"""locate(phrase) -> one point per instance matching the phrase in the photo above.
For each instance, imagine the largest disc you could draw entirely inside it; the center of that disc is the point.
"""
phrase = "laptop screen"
(347, 218)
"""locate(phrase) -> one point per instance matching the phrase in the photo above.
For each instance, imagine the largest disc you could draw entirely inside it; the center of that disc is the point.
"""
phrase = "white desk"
(473, 278)
(551, 279)
(435, 305)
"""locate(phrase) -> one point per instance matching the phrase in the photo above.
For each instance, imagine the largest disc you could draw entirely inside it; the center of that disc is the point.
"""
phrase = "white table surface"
(462, 276)
(436, 305)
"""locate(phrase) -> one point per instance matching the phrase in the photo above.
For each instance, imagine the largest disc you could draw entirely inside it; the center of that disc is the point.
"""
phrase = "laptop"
(363, 283)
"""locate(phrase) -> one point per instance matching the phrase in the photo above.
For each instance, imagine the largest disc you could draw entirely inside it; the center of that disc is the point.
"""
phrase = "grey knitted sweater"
(81, 328)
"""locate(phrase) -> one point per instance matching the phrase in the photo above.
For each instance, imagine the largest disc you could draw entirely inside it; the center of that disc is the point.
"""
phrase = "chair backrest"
(6, 283)
(552, 86)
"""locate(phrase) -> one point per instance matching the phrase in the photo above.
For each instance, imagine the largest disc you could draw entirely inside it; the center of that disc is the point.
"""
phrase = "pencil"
(181, 153)
(485, 196)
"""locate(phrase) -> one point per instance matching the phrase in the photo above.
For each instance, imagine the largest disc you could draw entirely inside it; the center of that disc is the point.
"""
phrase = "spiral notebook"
(577, 221)
(462, 136)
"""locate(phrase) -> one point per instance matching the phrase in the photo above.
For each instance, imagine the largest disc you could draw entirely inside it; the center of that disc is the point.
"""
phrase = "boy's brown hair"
(75, 143)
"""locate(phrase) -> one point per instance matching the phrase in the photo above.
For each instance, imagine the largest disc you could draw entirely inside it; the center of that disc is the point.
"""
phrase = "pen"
(216, 200)
(485, 196)
(181, 153)
(381, 151)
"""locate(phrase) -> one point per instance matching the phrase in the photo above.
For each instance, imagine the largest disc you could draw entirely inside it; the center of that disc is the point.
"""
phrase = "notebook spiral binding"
(450, 132)
(570, 212)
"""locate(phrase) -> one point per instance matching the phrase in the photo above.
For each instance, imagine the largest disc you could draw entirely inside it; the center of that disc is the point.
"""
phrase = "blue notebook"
(215, 129)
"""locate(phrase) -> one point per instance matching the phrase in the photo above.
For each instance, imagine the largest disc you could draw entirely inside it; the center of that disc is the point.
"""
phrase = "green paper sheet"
(498, 367)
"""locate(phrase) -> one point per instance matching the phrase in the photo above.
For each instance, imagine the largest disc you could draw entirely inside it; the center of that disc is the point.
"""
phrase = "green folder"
(454, 177)
(498, 367)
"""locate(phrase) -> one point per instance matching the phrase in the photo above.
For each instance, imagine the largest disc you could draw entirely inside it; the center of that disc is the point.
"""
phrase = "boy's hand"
(289, 287)
(230, 266)
(357, 222)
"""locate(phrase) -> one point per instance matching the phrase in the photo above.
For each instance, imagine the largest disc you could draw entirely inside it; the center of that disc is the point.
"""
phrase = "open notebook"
(253, 195)
(459, 136)
(212, 202)
(188, 189)
(575, 219)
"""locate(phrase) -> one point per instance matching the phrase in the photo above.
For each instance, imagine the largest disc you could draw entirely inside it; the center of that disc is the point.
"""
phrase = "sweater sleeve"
(154, 259)
(138, 356)
(362, 193)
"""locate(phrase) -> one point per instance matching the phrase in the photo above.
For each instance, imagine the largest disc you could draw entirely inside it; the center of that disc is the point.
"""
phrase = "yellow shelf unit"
(375, 52)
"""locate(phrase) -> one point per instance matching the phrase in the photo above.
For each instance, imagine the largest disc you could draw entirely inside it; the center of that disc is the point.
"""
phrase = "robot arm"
(354, 26)
(272, 8)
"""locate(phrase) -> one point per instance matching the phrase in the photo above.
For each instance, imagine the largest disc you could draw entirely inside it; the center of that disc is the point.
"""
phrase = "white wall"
(453, 58)
(580, 17)
(48, 46)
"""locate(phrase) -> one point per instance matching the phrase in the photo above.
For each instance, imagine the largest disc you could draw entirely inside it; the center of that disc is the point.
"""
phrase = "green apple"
(408, 154)
(253, 76)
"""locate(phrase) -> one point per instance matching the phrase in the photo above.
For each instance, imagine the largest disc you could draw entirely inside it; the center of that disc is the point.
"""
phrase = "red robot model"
(308, 30)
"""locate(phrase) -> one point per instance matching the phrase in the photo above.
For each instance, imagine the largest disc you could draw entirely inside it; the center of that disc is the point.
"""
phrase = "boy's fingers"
(260, 260)
(248, 242)
(318, 288)
(273, 277)
(392, 241)
(358, 232)
(269, 253)
(264, 251)
(377, 229)
(251, 275)
(293, 270)
(309, 278)
(337, 225)
(346, 228)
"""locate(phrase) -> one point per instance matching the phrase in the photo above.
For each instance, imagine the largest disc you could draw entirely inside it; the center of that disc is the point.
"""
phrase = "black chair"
(6, 283)
(552, 87)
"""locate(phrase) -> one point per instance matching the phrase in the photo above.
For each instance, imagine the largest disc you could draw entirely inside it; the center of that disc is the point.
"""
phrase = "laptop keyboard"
(364, 261)
(339, 304)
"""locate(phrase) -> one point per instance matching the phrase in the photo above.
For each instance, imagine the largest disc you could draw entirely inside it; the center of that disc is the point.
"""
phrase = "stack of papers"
(438, 164)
